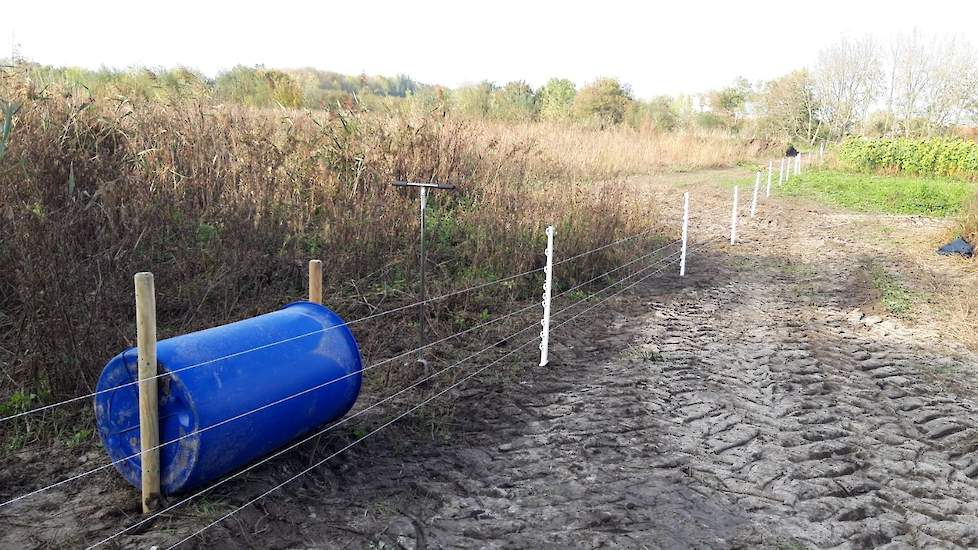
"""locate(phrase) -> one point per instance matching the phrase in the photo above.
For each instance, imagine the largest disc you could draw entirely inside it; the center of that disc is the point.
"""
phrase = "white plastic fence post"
(733, 216)
(821, 152)
(682, 256)
(753, 201)
(798, 164)
(770, 168)
(547, 286)
(781, 172)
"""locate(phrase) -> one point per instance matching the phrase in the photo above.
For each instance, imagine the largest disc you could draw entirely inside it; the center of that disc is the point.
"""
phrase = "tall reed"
(226, 203)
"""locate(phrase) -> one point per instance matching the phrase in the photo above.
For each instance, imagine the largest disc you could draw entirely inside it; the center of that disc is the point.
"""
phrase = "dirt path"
(746, 406)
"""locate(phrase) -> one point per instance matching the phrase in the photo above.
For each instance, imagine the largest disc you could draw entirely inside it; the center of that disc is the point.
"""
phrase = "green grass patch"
(896, 298)
(887, 194)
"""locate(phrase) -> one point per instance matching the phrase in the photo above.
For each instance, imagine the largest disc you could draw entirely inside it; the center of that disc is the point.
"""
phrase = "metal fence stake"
(423, 190)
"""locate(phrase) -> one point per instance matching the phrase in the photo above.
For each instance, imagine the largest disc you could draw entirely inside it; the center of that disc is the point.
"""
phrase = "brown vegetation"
(226, 203)
(968, 226)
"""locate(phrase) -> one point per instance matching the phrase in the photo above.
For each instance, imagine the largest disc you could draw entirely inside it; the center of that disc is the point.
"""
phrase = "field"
(809, 386)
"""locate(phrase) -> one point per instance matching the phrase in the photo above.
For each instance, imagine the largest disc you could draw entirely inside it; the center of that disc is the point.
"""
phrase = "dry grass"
(587, 152)
(225, 205)
(968, 224)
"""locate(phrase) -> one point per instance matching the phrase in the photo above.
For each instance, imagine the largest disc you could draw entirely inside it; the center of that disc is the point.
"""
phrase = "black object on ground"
(791, 151)
(958, 246)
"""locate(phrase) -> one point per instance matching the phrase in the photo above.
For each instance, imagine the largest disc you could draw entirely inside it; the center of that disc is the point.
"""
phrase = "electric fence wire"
(602, 247)
(297, 337)
(324, 384)
(699, 246)
(330, 428)
(428, 400)
(606, 273)
(362, 411)
(266, 406)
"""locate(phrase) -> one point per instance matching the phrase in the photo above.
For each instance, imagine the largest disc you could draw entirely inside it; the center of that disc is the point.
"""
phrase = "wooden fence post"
(149, 414)
(316, 281)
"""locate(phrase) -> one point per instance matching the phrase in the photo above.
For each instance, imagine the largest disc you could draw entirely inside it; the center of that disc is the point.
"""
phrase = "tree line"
(918, 85)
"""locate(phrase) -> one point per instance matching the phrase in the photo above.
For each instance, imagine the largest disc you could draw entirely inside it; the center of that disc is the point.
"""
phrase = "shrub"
(602, 102)
(951, 157)
(474, 100)
(514, 102)
(658, 114)
(556, 99)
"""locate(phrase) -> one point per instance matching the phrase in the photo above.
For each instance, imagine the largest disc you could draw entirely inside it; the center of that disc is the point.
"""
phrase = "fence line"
(313, 333)
(602, 247)
(402, 415)
(664, 262)
(324, 384)
(348, 446)
(426, 401)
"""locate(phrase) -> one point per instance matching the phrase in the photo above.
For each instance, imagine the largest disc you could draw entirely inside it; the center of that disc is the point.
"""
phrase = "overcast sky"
(656, 47)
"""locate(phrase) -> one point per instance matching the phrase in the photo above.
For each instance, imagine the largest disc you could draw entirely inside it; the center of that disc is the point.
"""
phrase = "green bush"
(951, 157)
(556, 99)
(603, 102)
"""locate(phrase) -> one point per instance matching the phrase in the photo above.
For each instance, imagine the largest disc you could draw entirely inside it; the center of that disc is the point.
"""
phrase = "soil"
(765, 400)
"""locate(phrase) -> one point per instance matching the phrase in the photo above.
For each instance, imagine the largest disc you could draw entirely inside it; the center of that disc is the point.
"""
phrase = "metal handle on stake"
(547, 286)
(682, 256)
(423, 191)
(149, 414)
(753, 202)
(733, 216)
(421, 263)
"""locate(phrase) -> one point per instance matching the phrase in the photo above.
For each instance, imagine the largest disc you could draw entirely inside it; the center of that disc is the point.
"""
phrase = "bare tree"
(911, 64)
(933, 82)
(952, 85)
(788, 107)
(848, 78)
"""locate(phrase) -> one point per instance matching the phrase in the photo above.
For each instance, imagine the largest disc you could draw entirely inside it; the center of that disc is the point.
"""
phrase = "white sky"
(657, 47)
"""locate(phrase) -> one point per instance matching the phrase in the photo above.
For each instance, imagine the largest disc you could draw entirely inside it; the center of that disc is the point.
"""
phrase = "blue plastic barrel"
(247, 364)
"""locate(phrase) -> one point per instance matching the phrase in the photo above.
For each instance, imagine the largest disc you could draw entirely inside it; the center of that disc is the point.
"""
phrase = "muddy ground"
(766, 400)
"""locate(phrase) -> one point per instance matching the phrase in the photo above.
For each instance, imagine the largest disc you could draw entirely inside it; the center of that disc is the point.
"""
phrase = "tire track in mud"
(563, 460)
(819, 431)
